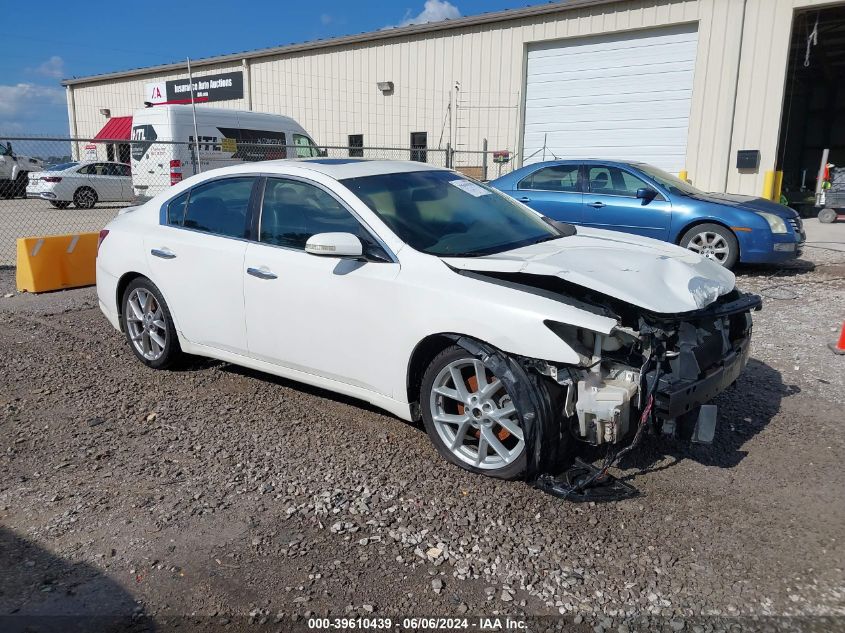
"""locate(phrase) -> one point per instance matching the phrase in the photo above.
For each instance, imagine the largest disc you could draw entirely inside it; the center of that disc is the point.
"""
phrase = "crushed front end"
(654, 369)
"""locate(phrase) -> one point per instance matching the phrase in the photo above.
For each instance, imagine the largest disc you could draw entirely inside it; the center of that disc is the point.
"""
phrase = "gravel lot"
(216, 497)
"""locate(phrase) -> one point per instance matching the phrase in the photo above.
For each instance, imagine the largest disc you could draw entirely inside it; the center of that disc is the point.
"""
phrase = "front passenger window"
(613, 181)
(293, 211)
(220, 207)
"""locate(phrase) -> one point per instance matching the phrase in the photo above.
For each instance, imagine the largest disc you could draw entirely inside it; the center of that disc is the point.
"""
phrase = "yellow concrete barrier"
(54, 262)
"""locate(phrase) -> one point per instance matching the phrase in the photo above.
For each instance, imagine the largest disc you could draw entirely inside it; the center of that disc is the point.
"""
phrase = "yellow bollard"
(768, 185)
(56, 261)
(683, 175)
(778, 186)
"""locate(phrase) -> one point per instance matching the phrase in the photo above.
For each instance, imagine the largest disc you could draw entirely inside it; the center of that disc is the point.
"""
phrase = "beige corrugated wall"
(737, 97)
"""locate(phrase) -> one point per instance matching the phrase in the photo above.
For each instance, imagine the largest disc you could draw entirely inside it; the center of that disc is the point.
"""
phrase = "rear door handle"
(525, 199)
(261, 273)
(598, 205)
(164, 253)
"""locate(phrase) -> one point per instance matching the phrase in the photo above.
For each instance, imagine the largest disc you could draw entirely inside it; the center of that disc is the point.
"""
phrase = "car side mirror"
(646, 194)
(334, 245)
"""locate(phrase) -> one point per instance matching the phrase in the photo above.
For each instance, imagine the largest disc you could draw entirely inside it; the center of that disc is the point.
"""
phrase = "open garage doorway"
(814, 104)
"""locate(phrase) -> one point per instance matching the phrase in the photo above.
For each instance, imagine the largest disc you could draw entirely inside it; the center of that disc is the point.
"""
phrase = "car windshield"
(444, 214)
(674, 184)
(61, 166)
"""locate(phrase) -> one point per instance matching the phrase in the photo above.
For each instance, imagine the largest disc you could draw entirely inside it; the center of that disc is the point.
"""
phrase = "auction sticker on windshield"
(470, 187)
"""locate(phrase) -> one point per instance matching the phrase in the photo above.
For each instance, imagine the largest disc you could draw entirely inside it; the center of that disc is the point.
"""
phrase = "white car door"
(104, 180)
(321, 315)
(196, 256)
(124, 174)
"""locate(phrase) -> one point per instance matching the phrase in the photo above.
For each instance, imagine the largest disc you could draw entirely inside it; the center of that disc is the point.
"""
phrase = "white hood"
(653, 275)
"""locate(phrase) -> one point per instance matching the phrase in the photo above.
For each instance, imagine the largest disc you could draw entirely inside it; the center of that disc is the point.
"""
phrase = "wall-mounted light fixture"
(105, 112)
(386, 87)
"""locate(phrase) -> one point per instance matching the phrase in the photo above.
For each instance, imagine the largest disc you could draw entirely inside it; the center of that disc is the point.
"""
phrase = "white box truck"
(164, 151)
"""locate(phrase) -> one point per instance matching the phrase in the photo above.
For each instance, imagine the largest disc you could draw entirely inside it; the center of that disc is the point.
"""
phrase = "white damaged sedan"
(513, 338)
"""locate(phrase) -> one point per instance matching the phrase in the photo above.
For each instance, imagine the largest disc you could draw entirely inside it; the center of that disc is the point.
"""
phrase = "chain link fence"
(55, 186)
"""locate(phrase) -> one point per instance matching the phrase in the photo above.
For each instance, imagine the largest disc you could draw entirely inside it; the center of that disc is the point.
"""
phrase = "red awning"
(117, 128)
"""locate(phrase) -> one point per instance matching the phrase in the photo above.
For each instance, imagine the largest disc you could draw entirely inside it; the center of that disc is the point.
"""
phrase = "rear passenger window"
(555, 178)
(176, 210)
(220, 207)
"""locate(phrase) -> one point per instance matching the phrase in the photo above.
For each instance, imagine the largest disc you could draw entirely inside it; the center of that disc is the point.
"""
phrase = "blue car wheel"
(712, 241)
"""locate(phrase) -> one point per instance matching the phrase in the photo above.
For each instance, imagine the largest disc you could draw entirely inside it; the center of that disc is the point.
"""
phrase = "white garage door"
(624, 96)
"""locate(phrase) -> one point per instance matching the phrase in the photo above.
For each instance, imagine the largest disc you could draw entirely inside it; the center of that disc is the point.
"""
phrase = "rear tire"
(84, 198)
(462, 428)
(714, 242)
(61, 204)
(827, 216)
(148, 325)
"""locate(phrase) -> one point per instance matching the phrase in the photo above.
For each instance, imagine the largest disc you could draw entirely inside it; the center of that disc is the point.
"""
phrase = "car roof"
(97, 162)
(337, 168)
(586, 161)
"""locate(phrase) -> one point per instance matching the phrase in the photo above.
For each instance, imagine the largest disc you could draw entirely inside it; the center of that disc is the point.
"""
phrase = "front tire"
(714, 242)
(85, 198)
(470, 416)
(148, 325)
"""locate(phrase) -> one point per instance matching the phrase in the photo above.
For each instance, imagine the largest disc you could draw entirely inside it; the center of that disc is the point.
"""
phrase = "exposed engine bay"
(653, 373)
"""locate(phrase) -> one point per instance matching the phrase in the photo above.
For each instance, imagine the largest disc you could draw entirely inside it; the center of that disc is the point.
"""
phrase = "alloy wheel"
(474, 415)
(710, 245)
(145, 322)
(85, 199)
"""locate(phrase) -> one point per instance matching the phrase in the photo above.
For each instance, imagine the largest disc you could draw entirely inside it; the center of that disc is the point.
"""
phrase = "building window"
(356, 141)
(419, 143)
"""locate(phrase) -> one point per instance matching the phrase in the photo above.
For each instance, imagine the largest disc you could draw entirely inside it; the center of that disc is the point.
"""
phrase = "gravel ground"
(217, 497)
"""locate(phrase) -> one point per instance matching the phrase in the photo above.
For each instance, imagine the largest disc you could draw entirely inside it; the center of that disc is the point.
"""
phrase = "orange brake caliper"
(503, 433)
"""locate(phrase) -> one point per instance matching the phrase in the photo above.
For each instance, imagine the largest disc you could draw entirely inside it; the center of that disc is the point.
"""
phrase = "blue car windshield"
(441, 213)
(672, 183)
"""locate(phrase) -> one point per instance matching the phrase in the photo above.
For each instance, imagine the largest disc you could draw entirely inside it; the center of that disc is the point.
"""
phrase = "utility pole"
(194, 108)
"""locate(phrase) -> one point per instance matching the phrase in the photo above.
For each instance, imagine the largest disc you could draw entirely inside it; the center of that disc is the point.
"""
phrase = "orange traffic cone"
(839, 346)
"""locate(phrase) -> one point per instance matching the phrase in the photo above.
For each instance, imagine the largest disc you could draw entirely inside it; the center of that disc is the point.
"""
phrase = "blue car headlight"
(776, 223)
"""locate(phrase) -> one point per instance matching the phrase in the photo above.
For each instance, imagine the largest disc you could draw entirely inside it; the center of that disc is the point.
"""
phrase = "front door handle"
(164, 253)
(598, 205)
(525, 199)
(261, 273)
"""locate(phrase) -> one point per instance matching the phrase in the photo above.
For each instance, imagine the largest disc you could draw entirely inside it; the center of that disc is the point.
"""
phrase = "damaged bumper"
(678, 397)
(703, 354)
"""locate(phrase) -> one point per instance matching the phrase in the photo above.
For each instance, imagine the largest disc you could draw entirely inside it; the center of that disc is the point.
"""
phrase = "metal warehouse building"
(739, 94)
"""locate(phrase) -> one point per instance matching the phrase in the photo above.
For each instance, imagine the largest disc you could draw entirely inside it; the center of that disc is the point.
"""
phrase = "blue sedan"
(638, 198)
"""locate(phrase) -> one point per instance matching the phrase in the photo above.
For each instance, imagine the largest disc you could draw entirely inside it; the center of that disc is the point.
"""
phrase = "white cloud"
(433, 11)
(53, 67)
(17, 100)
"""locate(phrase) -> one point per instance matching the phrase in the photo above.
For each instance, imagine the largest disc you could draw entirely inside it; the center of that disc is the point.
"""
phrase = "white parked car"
(84, 184)
(432, 296)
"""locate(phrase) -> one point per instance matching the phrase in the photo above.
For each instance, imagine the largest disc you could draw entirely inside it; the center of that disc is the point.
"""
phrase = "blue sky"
(54, 39)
